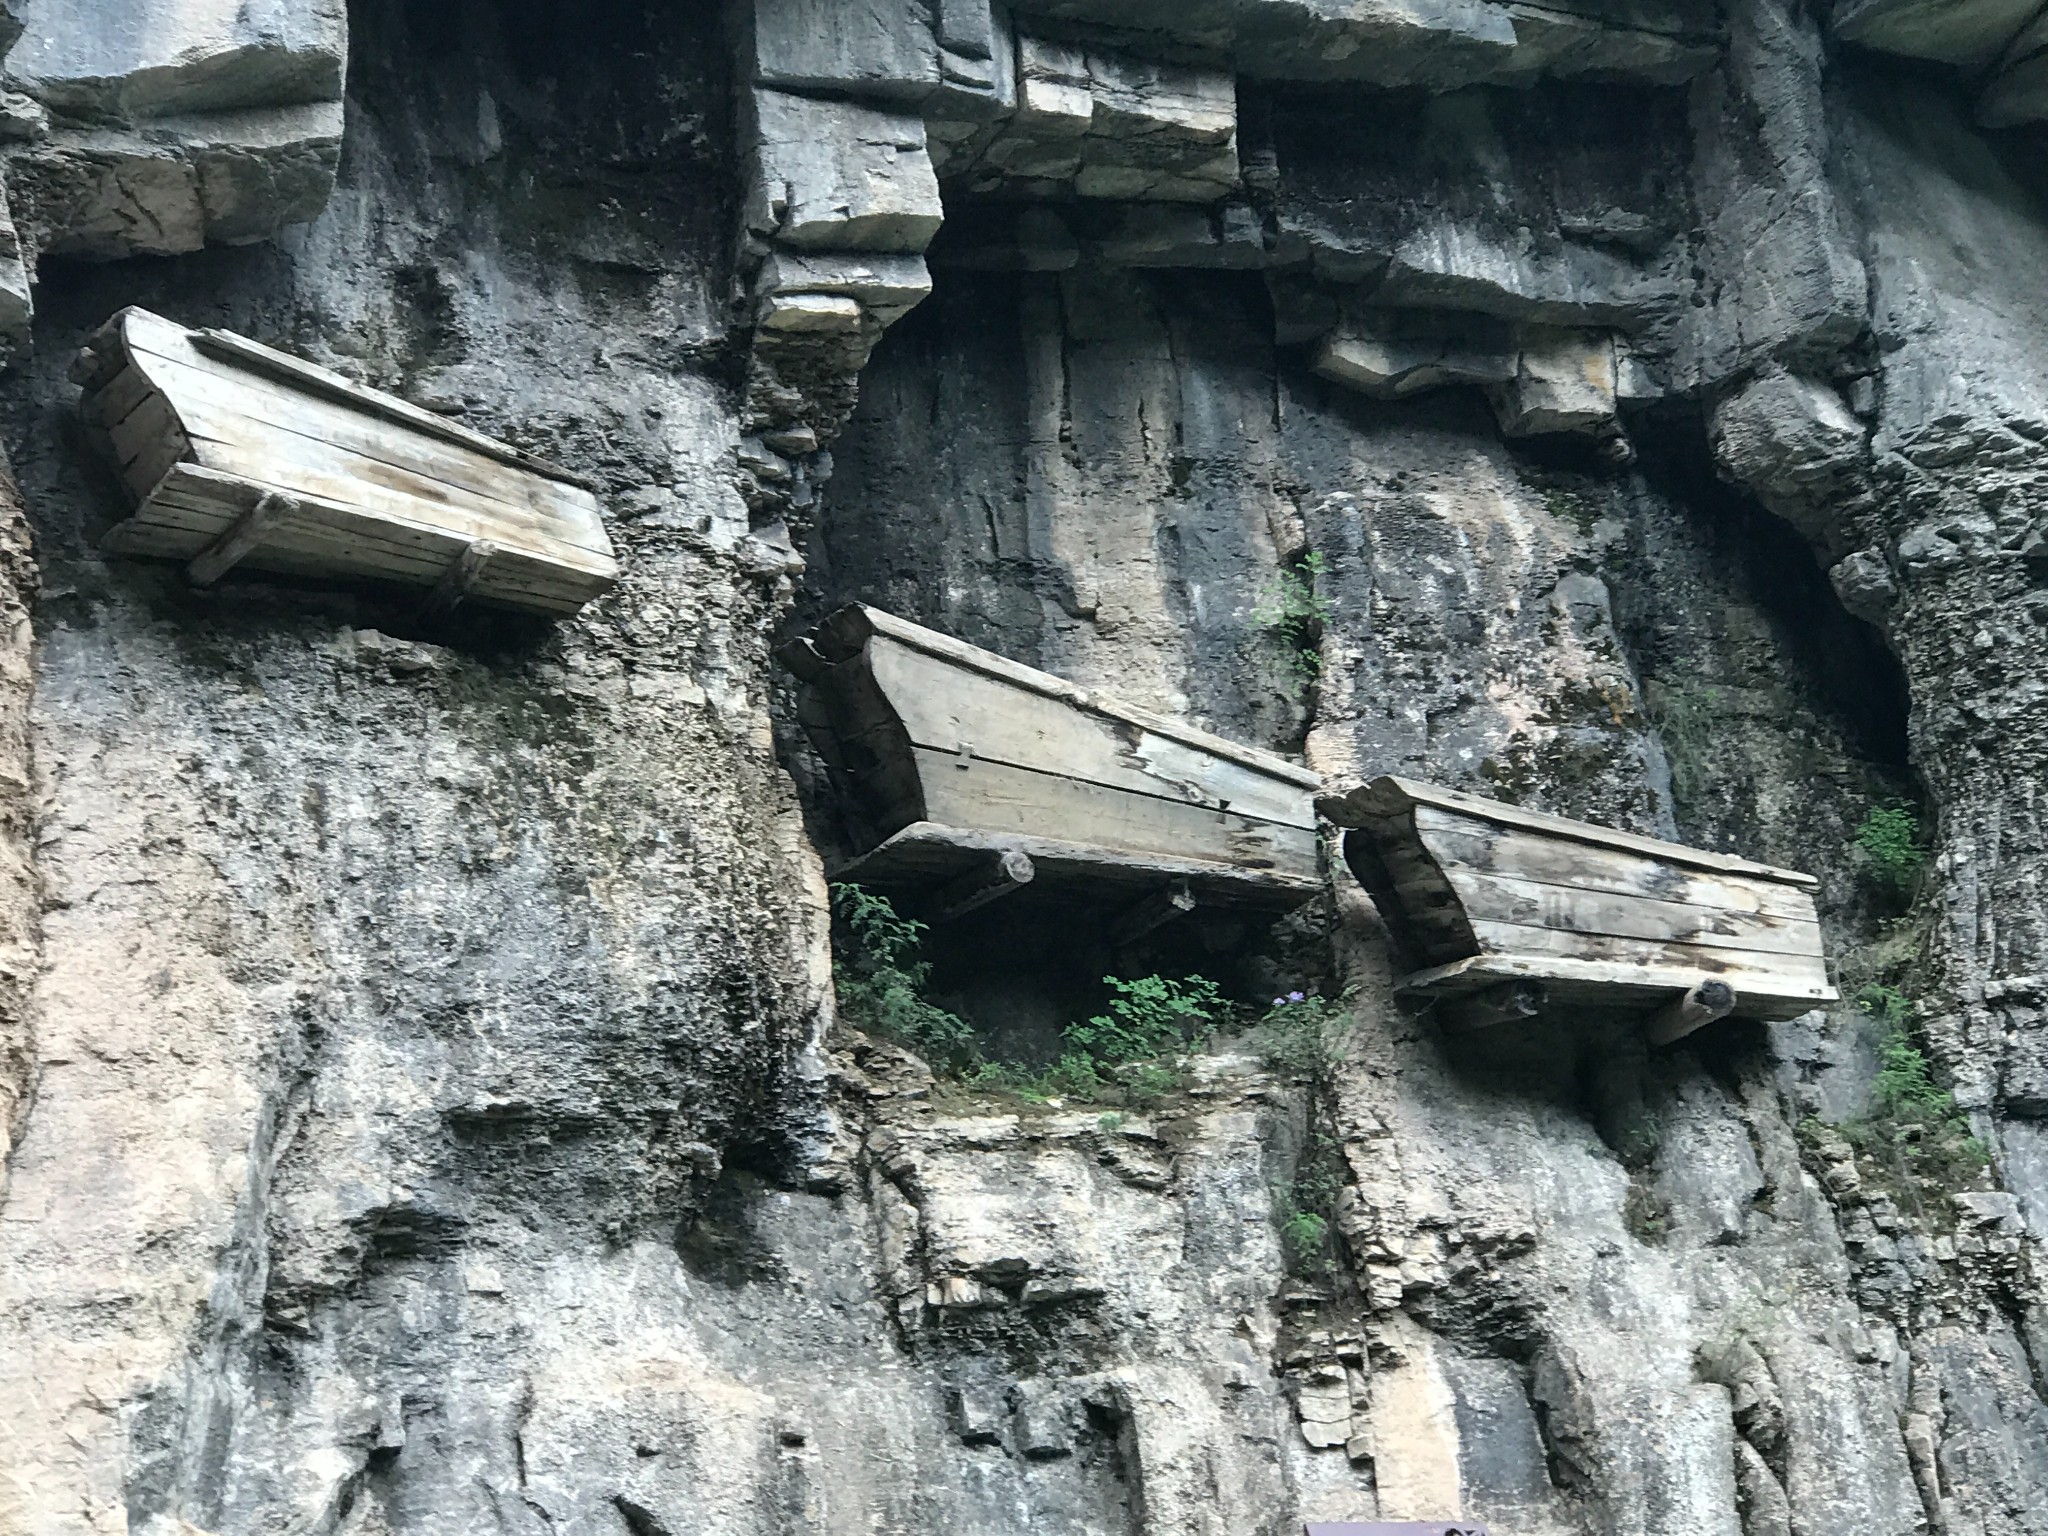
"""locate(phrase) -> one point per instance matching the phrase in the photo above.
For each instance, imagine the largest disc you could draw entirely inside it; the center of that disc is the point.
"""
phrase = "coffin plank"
(1485, 895)
(203, 424)
(968, 792)
(859, 620)
(1393, 796)
(1604, 982)
(978, 752)
(1504, 899)
(927, 853)
(945, 709)
(192, 506)
(1800, 973)
(193, 503)
(1467, 842)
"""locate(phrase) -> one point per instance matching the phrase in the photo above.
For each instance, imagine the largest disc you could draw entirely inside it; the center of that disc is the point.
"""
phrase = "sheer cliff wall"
(424, 1102)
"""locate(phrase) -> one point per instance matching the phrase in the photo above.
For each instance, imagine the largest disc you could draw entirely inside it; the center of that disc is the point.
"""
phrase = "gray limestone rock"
(1795, 443)
(830, 175)
(175, 184)
(1388, 354)
(1563, 382)
(875, 48)
(1097, 123)
(94, 61)
(886, 287)
(1967, 33)
(427, 1102)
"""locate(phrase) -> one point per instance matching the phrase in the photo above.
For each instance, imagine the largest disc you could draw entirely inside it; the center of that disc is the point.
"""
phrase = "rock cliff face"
(423, 1101)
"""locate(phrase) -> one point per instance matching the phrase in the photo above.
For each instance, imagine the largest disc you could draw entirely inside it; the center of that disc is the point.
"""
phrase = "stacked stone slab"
(155, 127)
(2002, 44)
(1441, 44)
(842, 201)
(1541, 379)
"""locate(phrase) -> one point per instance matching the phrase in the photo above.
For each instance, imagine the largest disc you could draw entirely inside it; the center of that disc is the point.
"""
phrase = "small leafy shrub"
(1294, 612)
(1127, 1054)
(880, 978)
(1918, 1144)
(1305, 1210)
(1307, 1238)
(1889, 842)
(1148, 1018)
(1302, 1034)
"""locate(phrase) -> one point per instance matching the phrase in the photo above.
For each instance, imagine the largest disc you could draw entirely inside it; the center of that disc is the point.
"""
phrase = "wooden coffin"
(1483, 896)
(950, 756)
(235, 453)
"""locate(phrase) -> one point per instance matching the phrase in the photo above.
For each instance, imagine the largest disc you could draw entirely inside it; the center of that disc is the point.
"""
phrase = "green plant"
(1887, 1005)
(1889, 841)
(1302, 1034)
(1306, 1208)
(1685, 714)
(1294, 612)
(1306, 1235)
(1111, 1123)
(1148, 1018)
(1917, 1143)
(880, 978)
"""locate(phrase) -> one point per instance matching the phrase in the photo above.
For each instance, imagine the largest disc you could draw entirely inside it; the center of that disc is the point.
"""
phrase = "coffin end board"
(1479, 895)
(203, 426)
(946, 752)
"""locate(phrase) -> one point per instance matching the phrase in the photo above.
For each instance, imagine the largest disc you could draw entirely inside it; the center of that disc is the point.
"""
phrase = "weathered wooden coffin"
(1482, 894)
(207, 427)
(951, 755)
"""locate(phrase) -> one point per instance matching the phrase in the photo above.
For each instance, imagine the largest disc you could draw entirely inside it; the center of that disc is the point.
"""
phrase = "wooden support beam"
(1705, 1003)
(459, 579)
(1011, 871)
(240, 540)
(1153, 913)
(1507, 1004)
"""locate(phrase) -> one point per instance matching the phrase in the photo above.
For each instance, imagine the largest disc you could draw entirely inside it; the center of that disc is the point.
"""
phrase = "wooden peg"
(1011, 871)
(1153, 913)
(240, 540)
(1705, 1003)
(461, 576)
(1508, 1003)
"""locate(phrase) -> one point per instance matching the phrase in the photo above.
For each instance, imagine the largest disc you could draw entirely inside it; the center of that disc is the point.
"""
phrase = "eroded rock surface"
(423, 1099)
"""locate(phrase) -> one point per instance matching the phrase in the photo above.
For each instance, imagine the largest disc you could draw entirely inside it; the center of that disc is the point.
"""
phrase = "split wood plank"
(858, 617)
(193, 504)
(1601, 981)
(403, 411)
(1392, 795)
(927, 850)
(321, 536)
(1515, 939)
(231, 407)
(204, 424)
(1504, 899)
(241, 540)
(965, 791)
(301, 466)
(944, 707)
(1582, 866)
